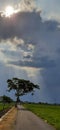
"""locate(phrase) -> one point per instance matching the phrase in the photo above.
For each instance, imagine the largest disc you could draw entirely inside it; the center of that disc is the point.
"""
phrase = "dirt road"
(26, 120)
(8, 121)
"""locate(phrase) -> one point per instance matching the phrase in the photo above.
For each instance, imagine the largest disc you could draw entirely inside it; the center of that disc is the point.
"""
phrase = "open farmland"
(50, 113)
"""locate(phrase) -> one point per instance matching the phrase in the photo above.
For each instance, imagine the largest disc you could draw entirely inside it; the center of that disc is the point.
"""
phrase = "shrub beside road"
(4, 108)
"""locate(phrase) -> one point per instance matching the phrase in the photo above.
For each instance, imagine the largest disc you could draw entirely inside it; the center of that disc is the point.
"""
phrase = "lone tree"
(21, 87)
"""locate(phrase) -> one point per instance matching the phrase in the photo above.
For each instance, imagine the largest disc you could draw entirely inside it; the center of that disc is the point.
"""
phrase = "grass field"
(5, 106)
(50, 113)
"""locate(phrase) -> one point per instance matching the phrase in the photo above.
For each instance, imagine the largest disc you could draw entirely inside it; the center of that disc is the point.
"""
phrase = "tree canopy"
(21, 86)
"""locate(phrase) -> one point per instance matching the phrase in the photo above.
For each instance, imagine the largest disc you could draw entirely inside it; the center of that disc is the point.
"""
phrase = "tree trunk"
(18, 100)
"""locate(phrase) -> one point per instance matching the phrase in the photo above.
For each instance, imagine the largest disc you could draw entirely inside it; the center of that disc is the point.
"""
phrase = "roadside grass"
(5, 106)
(50, 113)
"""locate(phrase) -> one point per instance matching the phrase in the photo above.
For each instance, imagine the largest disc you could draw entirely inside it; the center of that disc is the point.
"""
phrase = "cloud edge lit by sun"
(9, 11)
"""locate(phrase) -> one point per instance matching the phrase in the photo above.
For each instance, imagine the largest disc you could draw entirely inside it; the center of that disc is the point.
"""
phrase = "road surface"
(26, 120)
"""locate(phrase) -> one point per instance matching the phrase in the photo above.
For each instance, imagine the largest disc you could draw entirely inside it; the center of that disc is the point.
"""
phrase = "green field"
(50, 113)
(5, 106)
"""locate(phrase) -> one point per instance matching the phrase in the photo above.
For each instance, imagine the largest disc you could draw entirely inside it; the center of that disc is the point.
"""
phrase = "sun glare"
(9, 11)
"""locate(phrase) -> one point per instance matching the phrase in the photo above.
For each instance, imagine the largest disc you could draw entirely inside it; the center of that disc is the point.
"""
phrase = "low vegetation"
(5, 106)
(50, 113)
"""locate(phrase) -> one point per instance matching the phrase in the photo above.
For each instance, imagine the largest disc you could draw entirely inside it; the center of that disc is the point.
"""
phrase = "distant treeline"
(44, 103)
(5, 99)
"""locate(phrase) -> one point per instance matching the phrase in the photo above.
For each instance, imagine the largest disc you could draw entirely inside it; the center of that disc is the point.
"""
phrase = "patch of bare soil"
(9, 120)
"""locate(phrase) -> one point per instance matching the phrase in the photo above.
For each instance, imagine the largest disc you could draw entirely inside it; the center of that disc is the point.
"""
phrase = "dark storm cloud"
(58, 51)
(42, 62)
(25, 24)
(52, 82)
(30, 27)
(27, 57)
(51, 25)
(20, 24)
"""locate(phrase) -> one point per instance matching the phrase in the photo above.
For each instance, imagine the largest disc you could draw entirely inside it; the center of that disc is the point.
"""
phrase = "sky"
(30, 47)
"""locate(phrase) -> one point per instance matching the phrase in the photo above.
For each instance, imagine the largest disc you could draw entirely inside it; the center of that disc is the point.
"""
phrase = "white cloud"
(31, 72)
(26, 5)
